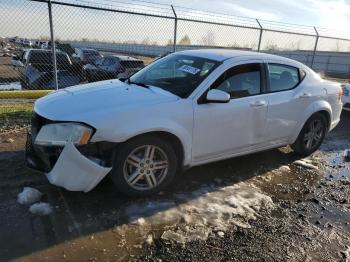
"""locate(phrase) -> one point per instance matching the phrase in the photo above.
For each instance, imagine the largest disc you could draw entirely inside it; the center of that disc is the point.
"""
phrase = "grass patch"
(15, 110)
(23, 94)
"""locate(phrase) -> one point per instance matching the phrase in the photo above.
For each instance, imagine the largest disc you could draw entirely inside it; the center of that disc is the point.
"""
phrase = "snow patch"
(29, 196)
(281, 169)
(195, 215)
(149, 240)
(305, 163)
(41, 209)
(10, 86)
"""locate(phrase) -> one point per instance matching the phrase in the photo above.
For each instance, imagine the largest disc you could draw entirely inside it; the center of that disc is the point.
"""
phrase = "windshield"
(178, 74)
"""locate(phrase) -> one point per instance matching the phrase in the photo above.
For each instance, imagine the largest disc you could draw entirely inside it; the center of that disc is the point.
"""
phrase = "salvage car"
(110, 67)
(86, 55)
(36, 69)
(186, 109)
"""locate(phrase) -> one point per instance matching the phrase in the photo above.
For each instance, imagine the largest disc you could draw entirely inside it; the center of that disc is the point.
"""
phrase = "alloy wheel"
(314, 134)
(145, 167)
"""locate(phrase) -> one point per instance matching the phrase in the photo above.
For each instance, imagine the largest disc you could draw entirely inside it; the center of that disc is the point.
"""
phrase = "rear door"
(287, 101)
(224, 129)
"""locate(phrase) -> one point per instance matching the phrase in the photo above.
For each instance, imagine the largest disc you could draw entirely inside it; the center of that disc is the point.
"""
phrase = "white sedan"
(186, 109)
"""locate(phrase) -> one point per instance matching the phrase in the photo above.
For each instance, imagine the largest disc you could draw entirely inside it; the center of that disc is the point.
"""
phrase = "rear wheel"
(144, 166)
(311, 136)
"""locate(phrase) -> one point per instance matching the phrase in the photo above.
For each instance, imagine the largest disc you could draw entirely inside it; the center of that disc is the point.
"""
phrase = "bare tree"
(271, 46)
(44, 38)
(208, 39)
(146, 41)
(170, 42)
(337, 46)
(185, 40)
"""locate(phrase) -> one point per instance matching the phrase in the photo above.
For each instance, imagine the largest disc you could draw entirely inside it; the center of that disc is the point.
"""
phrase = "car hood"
(84, 103)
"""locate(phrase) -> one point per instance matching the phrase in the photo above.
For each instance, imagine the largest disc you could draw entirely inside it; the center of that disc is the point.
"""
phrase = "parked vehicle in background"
(38, 43)
(45, 45)
(27, 43)
(111, 67)
(346, 96)
(36, 69)
(86, 55)
(186, 109)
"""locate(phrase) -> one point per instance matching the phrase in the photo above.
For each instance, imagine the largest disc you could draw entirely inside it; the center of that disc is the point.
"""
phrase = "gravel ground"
(269, 206)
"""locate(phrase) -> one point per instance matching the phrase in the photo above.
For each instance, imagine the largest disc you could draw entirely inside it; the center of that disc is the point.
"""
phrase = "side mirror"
(217, 96)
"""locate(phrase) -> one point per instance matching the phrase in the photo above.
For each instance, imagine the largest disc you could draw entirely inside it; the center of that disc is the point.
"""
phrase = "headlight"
(60, 133)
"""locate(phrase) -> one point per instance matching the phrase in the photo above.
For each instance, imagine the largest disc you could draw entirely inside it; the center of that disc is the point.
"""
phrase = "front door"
(223, 129)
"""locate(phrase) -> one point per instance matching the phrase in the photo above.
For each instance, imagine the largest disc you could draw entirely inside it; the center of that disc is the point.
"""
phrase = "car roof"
(124, 58)
(221, 55)
(42, 51)
(88, 49)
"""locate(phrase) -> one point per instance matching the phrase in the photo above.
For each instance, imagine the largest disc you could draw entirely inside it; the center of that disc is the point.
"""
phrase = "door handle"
(305, 95)
(258, 103)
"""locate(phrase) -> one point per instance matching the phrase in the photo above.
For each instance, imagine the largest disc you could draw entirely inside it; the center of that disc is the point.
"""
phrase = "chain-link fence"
(98, 40)
(112, 39)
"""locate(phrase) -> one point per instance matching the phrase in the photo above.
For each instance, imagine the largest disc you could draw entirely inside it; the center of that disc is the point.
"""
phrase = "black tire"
(300, 145)
(122, 154)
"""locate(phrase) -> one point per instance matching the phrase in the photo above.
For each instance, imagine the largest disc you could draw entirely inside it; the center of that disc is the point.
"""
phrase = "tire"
(145, 178)
(302, 145)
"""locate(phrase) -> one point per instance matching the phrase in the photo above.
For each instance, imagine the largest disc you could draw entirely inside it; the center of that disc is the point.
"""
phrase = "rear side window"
(240, 81)
(108, 61)
(283, 77)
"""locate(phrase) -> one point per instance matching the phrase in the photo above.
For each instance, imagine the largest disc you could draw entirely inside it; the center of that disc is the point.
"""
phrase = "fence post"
(53, 46)
(315, 48)
(175, 28)
(260, 36)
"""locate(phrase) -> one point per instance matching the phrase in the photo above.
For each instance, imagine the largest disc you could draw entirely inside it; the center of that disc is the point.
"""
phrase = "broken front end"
(62, 151)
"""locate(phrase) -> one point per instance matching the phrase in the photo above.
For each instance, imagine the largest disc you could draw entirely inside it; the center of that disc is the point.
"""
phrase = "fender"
(126, 132)
(316, 106)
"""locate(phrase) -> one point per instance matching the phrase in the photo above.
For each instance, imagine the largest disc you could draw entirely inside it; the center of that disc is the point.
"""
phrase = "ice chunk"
(284, 168)
(29, 196)
(149, 239)
(304, 163)
(173, 236)
(41, 209)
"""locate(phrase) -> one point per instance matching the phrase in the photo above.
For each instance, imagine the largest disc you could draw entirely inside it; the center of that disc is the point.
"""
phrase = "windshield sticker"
(189, 69)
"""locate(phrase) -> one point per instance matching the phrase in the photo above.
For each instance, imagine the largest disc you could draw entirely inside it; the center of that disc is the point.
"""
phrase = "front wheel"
(311, 136)
(144, 166)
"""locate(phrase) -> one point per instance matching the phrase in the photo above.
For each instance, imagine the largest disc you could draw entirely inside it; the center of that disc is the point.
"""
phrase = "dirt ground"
(300, 211)
(7, 73)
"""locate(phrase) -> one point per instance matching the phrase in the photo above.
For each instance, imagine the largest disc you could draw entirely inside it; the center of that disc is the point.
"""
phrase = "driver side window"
(240, 81)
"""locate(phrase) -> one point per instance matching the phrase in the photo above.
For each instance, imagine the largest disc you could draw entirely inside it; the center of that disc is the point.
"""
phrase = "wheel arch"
(175, 141)
(318, 107)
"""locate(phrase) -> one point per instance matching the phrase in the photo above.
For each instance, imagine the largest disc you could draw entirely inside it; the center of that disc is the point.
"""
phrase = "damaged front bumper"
(71, 170)
(75, 172)
(75, 169)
